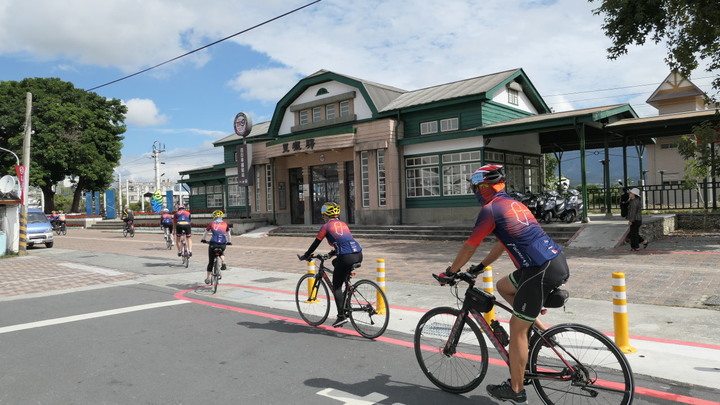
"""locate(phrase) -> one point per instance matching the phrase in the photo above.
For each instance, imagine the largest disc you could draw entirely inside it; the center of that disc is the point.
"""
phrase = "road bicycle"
(60, 228)
(184, 252)
(216, 276)
(365, 302)
(129, 229)
(168, 238)
(567, 364)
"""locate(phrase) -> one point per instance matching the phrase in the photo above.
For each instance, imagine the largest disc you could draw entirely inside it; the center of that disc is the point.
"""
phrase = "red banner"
(20, 172)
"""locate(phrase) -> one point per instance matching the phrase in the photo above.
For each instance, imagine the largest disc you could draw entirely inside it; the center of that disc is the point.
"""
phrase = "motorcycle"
(573, 206)
(554, 205)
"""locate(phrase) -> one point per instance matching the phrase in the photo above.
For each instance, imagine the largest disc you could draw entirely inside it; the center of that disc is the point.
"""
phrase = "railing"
(660, 197)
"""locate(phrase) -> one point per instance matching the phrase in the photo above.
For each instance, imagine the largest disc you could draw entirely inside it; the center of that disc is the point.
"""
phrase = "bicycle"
(168, 238)
(365, 302)
(184, 252)
(129, 228)
(60, 228)
(567, 364)
(216, 275)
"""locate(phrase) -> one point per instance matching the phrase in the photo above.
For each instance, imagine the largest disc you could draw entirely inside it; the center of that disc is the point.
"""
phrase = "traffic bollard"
(311, 281)
(622, 333)
(381, 283)
(487, 279)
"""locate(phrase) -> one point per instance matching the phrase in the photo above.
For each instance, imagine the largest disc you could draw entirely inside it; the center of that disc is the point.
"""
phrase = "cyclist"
(166, 222)
(181, 219)
(53, 219)
(346, 248)
(220, 231)
(540, 264)
(127, 216)
(60, 219)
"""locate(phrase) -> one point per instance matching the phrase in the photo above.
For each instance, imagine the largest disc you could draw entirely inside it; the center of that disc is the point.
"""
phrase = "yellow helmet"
(218, 214)
(330, 209)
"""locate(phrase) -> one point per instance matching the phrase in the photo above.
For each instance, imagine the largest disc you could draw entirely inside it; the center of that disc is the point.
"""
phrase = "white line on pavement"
(91, 315)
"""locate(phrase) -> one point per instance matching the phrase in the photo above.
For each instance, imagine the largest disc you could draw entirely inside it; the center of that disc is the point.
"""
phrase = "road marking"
(349, 399)
(91, 315)
(92, 269)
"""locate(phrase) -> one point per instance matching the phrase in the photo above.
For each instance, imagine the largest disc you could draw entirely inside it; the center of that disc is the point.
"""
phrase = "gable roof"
(680, 87)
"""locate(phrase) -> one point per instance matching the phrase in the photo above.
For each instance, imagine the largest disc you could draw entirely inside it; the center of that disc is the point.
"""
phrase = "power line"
(618, 88)
(204, 47)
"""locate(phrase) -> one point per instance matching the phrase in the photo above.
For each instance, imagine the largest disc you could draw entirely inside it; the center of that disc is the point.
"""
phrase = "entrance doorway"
(350, 191)
(325, 187)
(297, 201)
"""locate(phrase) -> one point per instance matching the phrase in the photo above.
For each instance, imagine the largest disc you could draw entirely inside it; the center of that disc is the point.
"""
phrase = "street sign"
(242, 124)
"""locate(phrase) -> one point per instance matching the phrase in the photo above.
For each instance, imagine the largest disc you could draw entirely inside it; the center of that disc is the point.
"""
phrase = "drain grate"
(268, 280)
(713, 301)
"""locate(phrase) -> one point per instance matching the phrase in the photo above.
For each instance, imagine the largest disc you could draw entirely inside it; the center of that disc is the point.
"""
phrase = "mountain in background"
(570, 166)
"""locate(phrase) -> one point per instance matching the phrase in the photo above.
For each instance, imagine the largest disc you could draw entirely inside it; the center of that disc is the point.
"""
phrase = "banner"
(20, 172)
(244, 163)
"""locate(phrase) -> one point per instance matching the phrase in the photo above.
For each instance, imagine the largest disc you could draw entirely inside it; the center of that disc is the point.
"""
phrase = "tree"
(700, 152)
(689, 28)
(75, 133)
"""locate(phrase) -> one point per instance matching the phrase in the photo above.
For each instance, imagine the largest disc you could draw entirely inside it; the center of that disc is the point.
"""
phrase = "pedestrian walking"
(634, 217)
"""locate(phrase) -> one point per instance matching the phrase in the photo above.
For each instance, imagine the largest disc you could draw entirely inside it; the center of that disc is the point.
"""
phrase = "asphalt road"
(140, 342)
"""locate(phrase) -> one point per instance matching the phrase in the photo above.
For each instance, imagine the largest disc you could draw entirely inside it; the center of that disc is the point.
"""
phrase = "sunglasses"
(478, 187)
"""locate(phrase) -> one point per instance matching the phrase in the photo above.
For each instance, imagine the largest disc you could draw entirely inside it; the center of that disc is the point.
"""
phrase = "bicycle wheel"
(600, 372)
(125, 231)
(64, 230)
(312, 300)
(463, 366)
(216, 275)
(57, 230)
(132, 232)
(368, 309)
(168, 242)
(186, 257)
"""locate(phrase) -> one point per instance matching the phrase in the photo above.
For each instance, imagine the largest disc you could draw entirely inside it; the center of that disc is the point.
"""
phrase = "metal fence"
(660, 197)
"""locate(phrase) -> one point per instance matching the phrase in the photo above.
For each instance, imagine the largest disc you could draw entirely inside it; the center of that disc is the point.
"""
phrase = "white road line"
(99, 270)
(91, 315)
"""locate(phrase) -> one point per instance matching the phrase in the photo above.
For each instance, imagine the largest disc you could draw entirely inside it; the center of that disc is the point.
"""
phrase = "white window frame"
(303, 117)
(449, 124)
(269, 188)
(317, 114)
(428, 127)
(513, 96)
(365, 178)
(381, 184)
(258, 188)
(345, 108)
(330, 111)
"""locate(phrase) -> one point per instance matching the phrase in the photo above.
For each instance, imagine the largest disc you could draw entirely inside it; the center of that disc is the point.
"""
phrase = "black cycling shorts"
(183, 229)
(534, 284)
(342, 267)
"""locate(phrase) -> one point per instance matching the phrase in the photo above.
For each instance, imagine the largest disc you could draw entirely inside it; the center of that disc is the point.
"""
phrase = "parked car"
(39, 230)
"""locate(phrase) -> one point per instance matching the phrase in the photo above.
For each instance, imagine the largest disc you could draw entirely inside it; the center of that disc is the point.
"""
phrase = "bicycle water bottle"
(499, 332)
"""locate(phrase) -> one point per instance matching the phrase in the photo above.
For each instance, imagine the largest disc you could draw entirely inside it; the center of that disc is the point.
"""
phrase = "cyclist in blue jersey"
(346, 248)
(540, 263)
(183, 225)
(220, 237)
(166, 222)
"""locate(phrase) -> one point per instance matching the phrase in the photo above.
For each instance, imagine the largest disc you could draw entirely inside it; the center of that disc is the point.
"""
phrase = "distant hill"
(570, 166)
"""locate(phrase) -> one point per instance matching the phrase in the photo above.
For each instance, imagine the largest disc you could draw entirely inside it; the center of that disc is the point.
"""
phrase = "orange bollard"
(488, 286)
(381, 283)
(311, 281)
(622, 333)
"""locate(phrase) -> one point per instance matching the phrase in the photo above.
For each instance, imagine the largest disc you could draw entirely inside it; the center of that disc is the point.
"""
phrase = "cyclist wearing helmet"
(166, 222)
(127, 216)
(346, 248)
(540, 264)
(220, 237)
(181, 220)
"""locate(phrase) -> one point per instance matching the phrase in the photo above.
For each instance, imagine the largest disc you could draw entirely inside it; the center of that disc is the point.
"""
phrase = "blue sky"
(191, 102)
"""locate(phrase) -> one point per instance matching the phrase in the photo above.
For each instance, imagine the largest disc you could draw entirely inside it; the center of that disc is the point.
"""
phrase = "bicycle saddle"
(557, 298)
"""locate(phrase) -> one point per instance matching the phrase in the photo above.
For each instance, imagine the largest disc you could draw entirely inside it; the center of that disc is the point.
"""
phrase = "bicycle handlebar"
(468, 277)
(317, 256)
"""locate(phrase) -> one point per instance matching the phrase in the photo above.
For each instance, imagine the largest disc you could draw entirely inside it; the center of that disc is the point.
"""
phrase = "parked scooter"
(554, 205)
(573, 207)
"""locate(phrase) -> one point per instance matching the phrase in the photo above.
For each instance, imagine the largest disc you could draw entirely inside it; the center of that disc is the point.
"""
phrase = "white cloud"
(143, 113)
(267, 85)
(142, 167)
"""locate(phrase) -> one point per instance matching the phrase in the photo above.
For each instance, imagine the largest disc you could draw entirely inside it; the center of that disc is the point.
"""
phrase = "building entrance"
(325, 187)
(297, 200)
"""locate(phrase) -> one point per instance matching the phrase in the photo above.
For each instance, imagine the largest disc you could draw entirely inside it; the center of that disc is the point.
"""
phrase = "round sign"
(7, 184)
(243, 125)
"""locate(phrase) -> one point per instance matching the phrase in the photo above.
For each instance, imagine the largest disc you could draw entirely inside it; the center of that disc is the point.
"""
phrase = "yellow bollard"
(622, 334)
(381, 283)
(488, 286)
(311, 281)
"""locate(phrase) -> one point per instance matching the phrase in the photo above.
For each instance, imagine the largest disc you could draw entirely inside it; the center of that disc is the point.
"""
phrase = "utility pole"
(26, 175)
(120, 204)
(158, 148)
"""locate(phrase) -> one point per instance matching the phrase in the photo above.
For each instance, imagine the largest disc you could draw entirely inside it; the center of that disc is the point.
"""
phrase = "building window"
(345, 108)
(365, 178)
(258, 188)
(668, 146)
(422, 181)
(303, 117)
(450, 124)
(269, 187)
(429, 127)
(215, 196)
(330, 111)
(317, 114)
(513, 96)
(381, 186)
(198, 190)
(457, 168)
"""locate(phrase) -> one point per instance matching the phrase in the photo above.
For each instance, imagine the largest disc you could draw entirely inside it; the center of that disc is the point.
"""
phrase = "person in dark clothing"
(634, 217)
(624, 200)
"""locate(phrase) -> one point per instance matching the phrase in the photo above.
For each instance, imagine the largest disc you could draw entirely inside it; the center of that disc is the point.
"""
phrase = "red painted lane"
(181, 296)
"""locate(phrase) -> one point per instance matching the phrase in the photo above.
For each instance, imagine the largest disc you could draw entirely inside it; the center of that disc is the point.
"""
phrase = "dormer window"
(513, 91)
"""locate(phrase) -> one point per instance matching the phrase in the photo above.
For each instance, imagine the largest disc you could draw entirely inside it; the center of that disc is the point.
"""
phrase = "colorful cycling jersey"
(182, 217)
(339, 237)
(517, 229)
(60, 217)
(166, 219)
(218, 232)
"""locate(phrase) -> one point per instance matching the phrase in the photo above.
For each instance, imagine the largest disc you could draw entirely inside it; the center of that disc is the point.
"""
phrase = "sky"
(187, 104)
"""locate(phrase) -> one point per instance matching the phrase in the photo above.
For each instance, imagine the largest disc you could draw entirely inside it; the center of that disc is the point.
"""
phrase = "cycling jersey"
(339, 237)
(182, 217)
(166, 219)
(517, 229)
(219, 229)
(61, 217)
